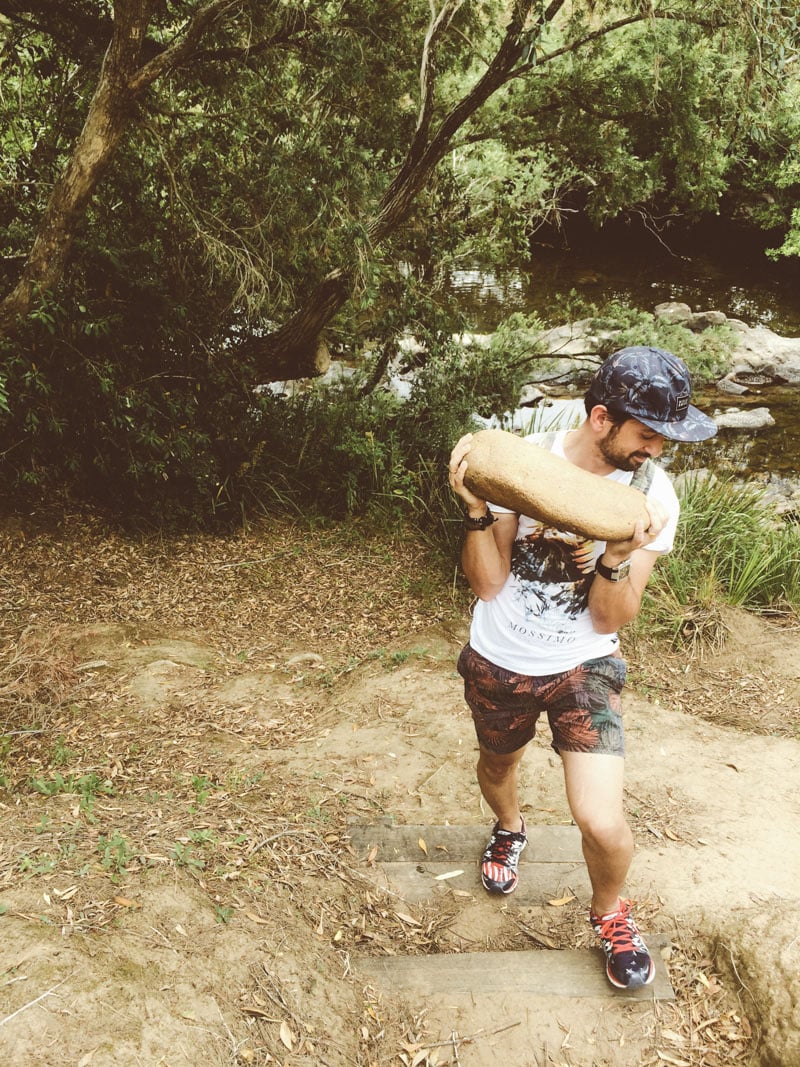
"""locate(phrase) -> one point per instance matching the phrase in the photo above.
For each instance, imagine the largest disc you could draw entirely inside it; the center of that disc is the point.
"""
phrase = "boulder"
(703, 320)
(752, 419)
(518, 475)
(731, 387)
(673, 312)
(761, 351)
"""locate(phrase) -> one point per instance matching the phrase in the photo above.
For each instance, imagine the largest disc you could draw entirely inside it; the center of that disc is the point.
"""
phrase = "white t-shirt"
(539, 622)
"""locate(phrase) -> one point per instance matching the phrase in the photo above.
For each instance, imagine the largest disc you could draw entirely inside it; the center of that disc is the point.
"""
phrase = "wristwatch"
(482, 523)
(613, 574)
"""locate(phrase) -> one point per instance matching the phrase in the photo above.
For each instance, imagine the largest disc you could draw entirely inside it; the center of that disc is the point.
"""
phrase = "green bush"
(706, 354)
(730, 548)
(336, 451)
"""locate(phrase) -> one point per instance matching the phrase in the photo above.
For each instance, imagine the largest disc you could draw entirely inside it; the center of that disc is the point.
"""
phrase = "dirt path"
(177, 879)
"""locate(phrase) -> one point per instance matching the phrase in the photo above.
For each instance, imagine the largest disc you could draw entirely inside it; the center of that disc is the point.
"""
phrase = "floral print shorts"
(583, 705)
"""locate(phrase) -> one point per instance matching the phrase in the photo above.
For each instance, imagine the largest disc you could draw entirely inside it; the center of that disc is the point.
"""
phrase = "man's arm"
(613, 604)
(486, 554)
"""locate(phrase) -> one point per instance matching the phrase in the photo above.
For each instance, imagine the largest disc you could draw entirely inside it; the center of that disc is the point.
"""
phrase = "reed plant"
(731, 548)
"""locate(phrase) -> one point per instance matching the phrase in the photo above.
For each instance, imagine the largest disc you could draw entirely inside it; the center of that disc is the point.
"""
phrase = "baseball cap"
(652, 386)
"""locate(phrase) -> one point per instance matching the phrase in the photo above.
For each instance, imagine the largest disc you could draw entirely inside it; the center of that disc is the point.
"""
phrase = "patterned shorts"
(583, 705)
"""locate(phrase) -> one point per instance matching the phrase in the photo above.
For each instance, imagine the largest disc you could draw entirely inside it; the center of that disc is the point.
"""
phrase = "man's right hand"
(458, 466)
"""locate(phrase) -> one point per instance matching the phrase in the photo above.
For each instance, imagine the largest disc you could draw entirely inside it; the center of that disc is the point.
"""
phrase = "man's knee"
(604, 831)
(497, 765)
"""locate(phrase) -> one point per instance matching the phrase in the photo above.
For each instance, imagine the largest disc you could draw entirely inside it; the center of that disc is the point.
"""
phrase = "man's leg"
(594, 792)
(498, 777)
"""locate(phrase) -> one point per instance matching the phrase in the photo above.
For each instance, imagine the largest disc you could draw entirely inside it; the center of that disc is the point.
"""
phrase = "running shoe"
(501, 858)
(628, 963)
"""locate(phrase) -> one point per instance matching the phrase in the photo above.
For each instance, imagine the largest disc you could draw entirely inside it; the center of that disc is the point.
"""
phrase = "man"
(544, 634)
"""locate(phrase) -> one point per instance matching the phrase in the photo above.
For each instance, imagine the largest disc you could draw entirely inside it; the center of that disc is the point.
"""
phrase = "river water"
(721, 274)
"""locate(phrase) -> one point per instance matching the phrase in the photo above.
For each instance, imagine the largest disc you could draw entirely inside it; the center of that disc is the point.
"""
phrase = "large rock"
(752, 419)
(766, 353)
(673, 312)
(760, 948)
(519, 475)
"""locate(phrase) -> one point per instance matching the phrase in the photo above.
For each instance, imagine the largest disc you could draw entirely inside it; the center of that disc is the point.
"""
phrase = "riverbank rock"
(767, 354)
(752, 419)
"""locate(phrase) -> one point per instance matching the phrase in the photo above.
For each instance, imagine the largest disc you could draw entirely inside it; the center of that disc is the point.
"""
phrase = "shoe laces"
(506, 844)
(619, 929)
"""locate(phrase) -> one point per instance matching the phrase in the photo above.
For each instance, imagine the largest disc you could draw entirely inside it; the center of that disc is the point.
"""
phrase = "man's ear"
(599, 418)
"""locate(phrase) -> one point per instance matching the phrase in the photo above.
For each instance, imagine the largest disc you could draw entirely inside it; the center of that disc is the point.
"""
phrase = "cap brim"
(695, 426)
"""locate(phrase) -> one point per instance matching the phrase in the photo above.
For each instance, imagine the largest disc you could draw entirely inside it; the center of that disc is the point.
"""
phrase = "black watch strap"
(613, 574)
(481, 523)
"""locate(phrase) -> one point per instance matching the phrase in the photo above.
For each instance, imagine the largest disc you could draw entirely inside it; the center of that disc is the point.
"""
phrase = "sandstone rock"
(754, 419)
(673, 312)
(765, 352)
(731, 387)
(703, 320)
(516, 474)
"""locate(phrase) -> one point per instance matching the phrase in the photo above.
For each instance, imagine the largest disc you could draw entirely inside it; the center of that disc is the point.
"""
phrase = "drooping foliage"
(316, 168)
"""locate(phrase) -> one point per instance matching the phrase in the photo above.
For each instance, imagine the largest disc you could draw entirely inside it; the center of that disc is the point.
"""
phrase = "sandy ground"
(177, 883)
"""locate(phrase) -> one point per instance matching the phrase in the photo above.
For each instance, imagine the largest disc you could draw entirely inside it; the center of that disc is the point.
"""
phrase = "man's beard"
(623, 461)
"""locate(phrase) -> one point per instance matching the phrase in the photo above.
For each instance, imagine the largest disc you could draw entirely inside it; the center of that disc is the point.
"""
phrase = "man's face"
(627, 445)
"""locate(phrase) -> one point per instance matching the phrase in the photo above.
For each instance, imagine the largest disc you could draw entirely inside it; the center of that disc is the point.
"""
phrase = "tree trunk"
(291, 351)
(296, 349)
(122, 79)
(105, 123)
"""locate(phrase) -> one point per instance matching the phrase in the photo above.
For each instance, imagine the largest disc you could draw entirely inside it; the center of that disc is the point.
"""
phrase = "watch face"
(623, 568)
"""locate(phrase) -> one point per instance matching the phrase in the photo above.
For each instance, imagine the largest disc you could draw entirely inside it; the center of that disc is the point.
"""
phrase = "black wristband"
(483, 523)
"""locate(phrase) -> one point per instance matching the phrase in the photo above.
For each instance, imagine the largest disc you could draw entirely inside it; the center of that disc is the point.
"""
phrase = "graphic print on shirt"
(554, 572)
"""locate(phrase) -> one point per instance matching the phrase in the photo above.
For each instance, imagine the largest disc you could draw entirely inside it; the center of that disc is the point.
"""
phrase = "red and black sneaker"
(500, 859)
(628, 963)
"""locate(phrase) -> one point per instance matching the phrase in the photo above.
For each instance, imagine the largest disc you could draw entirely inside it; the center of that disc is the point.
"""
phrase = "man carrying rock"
(544, 634)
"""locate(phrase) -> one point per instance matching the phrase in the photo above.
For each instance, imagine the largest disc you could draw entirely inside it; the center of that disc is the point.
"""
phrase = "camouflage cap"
(652, 386)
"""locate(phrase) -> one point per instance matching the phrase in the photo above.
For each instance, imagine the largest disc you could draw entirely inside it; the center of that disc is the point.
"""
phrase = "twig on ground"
(30, 1004)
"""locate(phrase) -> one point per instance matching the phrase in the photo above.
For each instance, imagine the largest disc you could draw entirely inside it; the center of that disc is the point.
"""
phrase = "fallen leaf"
(406, 919)
(125, 903)
(286, 1035)
(561, 901)
(448, 874)
(256, 919)
(422, 845)
(670, 1035)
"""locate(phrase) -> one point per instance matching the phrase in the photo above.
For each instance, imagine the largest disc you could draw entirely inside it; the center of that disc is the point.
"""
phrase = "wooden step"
(551, 866)
(558, 973)
(459, 844)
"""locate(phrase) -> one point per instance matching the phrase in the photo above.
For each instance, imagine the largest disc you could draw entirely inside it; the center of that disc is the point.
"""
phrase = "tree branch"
(181, 48)
(611, 27)
(120, 80)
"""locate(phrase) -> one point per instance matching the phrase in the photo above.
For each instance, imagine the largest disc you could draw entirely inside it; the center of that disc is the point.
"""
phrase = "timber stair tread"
(538, 972)
(553, 861)
(418, 862)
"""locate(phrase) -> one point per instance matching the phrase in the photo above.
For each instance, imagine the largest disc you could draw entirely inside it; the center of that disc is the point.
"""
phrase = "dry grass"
(197, 787)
